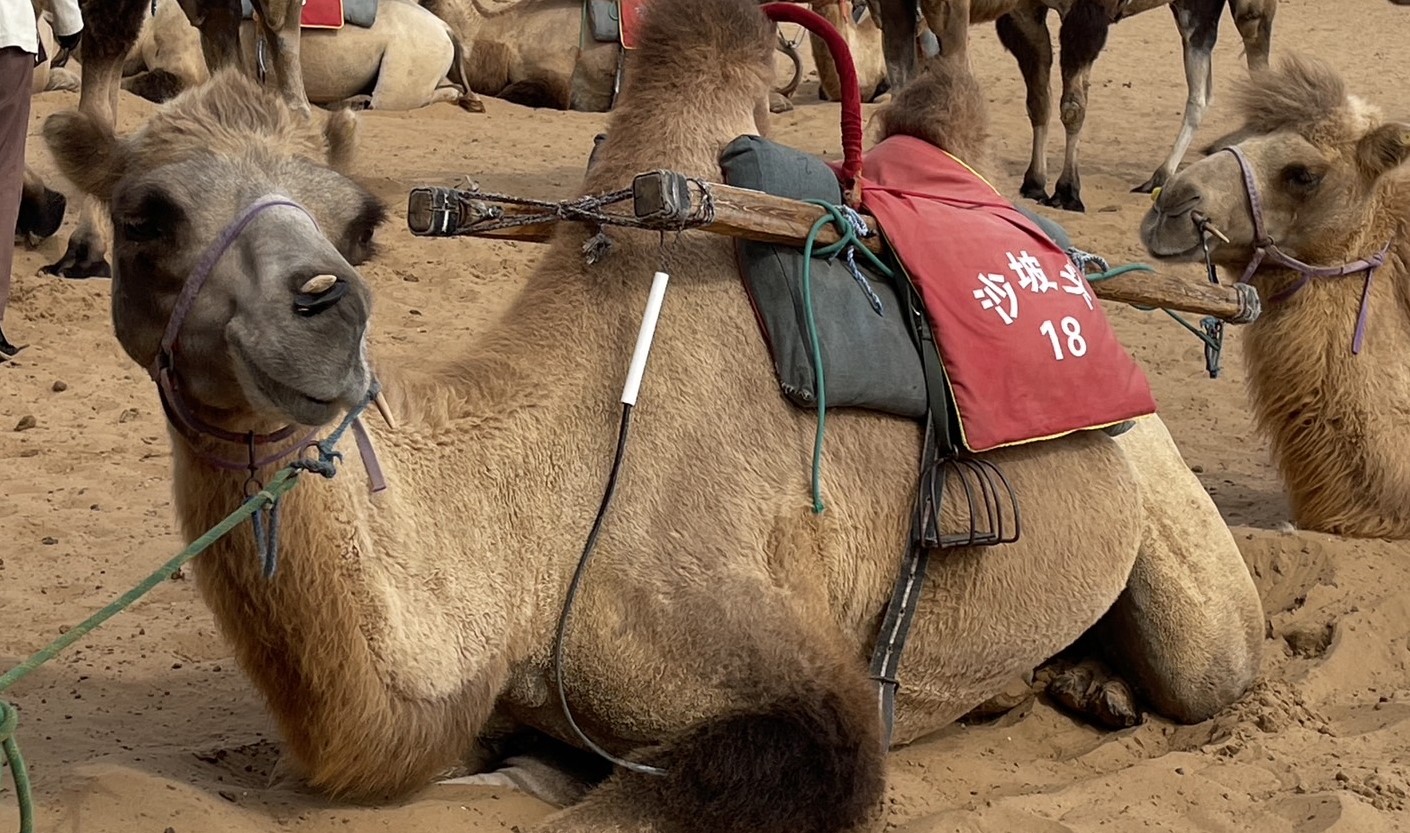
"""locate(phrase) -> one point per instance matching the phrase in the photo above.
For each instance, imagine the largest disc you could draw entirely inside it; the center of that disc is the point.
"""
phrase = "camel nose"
(1175, 200)
(319, 294)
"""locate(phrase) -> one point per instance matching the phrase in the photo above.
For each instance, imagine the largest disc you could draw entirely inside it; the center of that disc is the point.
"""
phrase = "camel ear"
(340, 134)
(88, 152)
(1382, 149)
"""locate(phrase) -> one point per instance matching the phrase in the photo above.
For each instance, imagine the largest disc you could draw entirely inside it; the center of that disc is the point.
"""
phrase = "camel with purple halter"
(722, 631)
(1023, 30)
(1311, 205)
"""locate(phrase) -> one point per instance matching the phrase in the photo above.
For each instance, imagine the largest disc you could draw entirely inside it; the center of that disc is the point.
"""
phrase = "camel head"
(1318, 158)
(945, 106)
(275, 333)
(863, 39)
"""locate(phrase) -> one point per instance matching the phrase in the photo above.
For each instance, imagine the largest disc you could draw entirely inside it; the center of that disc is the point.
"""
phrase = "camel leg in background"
(1081, 40)
(897, 19)
(949, 21)
(1255, 21)
(111, 28)
(1024, 33)
(219, 24)
(1198, 22)
(279, 23)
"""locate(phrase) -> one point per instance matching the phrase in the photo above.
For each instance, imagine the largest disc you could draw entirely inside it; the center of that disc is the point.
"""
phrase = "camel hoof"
(779, 103)
(1066, 198)
(1034, 191)
(1157, 180)
(1088, 690)
(471, 103)
(80, 260)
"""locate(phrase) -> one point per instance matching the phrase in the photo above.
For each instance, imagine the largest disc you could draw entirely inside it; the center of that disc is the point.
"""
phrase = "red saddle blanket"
(1027, 348)
(322, 14)
(631, 14)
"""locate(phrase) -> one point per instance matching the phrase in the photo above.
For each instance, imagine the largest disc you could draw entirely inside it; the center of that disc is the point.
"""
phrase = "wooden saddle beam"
(670, 201)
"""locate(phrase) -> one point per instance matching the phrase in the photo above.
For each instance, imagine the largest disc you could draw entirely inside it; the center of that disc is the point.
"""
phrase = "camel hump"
(813, 762)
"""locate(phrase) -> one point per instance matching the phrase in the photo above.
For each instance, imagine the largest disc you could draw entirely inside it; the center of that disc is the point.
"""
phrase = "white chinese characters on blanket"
(997, 292)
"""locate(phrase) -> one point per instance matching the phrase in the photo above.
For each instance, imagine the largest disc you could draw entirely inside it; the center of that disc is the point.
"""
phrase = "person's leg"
(16, 75)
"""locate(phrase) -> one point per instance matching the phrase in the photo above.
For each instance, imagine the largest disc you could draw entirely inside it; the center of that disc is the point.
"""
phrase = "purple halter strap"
(184, 420)
(1266, 249)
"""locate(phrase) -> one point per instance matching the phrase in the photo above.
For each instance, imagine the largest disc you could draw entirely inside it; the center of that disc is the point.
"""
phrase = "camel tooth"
(318, 284)
(1155, 193)
(385, 410)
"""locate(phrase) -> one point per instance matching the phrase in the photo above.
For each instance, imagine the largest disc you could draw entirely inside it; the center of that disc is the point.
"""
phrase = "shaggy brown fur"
(1334, 189)
(723, 628)
(945, 107)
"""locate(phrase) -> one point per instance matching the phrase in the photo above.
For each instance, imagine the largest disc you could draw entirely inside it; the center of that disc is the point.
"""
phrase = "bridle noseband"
(179, 414)
(1266, 249)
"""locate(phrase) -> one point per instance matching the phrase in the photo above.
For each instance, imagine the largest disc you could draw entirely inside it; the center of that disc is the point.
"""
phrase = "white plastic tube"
(644, 337)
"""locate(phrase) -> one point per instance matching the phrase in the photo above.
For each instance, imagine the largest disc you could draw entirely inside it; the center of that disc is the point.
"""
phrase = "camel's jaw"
(314, 394)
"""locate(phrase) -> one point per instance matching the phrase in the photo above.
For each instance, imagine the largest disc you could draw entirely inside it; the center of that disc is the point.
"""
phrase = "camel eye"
(1301, 178)
(147, 218)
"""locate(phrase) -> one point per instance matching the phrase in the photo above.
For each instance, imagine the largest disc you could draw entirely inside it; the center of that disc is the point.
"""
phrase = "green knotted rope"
(278, 486)
(847, 236)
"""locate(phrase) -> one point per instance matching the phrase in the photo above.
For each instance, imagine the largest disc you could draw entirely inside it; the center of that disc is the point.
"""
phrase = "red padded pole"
(846, 73)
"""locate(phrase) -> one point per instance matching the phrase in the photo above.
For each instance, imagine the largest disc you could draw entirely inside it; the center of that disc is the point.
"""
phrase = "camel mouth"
(266, 390)
(1172, 241)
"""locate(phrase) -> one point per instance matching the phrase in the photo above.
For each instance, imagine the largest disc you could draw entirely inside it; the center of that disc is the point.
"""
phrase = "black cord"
(575, 585)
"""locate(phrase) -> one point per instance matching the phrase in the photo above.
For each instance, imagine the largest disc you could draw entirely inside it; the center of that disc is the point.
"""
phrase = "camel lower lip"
(272, 386)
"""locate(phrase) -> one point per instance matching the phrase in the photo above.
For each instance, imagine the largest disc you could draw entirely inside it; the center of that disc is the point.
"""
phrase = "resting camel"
(403, 59)
(1329, 390)
(1023, 30)
(47, 76)
(723, 627)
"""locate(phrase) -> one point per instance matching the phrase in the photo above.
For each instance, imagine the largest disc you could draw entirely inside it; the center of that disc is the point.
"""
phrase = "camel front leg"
(1188, 629)
(1198, 22)
(219, 24)
(1081, 40)
(86, 253)
(1024, 33)
(279, 23)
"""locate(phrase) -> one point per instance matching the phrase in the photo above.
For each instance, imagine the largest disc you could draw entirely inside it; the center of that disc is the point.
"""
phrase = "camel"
(723, 628)
(1022, 29)
(1326, 386)
(404, 59)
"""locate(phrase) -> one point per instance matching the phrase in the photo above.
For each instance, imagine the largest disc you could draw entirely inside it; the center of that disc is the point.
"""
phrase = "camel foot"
(1157, 180)
(1065, 197)
(470, 103)
(1034, 190)
(779, 103)
(1089, 690)
(80, 260)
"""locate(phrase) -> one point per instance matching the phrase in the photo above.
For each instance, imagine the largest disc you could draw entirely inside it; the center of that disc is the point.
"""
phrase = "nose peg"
(319, 293)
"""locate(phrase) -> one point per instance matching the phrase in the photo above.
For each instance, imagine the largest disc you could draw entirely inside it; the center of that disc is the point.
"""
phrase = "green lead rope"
(847, 234)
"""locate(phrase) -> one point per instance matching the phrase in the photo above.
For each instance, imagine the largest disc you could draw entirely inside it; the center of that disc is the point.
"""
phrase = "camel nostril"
(882, 88)
(1173, 205)
(318, 294)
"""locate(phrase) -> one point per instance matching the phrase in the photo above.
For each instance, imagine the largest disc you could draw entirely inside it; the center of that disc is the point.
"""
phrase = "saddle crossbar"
(670, 201)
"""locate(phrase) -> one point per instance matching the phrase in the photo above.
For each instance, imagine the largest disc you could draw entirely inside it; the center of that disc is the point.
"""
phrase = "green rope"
(277, 488)
(1179, 319)
(847, 236)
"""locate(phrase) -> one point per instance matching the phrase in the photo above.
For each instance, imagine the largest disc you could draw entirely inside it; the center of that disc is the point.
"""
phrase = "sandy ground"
(147, 726)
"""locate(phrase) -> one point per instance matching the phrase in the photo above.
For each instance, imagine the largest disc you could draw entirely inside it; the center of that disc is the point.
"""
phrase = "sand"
(148, 726)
